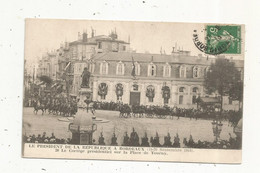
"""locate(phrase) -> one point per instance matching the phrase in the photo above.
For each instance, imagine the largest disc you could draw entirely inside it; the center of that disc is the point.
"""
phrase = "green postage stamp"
(223, 39)
(219, 39)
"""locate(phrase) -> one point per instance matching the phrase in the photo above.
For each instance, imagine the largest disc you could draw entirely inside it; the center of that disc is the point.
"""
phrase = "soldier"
(39, 139)
(126, 140)
(167, 141)
(145, 142)
(134, 138)
(155, 141)
(101, 140)
(176, 141)
(191, 142)
(114, 140)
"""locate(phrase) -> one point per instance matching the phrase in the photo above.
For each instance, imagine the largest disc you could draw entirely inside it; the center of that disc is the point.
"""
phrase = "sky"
(42, 35)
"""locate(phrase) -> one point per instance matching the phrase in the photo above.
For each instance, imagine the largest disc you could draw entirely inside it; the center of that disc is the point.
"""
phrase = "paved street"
(200, 129)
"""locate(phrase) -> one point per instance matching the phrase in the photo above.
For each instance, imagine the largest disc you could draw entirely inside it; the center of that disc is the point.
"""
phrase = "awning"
(208, 100)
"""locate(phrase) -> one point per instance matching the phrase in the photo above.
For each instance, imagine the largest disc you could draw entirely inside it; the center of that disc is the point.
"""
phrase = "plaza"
(199, 129)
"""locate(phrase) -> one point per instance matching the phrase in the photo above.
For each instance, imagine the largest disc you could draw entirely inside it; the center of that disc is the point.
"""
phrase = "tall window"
(104, 68)
(92, 67)
(194, 99)
(195, 92)
(167, 70)
(80, 68)
(181, 92)
(99, 45)
(206, 71)
(196, 72)
(137, 68)
(182, 71)
(152, 70)
(120, 68)
(181, 99)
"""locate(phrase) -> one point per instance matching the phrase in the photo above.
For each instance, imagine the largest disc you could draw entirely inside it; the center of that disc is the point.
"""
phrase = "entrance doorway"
(134, 98)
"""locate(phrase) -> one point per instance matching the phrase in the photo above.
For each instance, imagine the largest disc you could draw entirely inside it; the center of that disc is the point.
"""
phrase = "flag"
(133, 70)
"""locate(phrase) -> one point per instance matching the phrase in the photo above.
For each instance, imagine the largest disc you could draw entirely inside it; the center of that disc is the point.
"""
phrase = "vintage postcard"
(140, 91)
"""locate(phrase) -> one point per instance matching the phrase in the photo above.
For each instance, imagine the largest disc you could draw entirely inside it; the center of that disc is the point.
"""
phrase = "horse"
(37, 105)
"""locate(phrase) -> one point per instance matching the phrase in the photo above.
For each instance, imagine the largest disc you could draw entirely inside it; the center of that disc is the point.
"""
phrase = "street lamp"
(217, 128)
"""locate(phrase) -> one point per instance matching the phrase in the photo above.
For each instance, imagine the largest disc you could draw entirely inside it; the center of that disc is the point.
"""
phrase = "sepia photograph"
(126, 90)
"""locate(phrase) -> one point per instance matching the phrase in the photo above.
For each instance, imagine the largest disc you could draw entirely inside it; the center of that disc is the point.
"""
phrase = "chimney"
(92, 32)
(79, 36)
(85, 37)
(173, 50)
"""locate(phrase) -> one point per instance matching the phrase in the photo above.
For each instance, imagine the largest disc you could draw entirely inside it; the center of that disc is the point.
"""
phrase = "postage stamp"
(219, 39)
(223, 39)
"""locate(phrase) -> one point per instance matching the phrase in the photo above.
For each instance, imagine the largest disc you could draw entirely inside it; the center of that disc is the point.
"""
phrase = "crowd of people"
(45, 139)
(54, 104)
(232, 143)
(134, 140)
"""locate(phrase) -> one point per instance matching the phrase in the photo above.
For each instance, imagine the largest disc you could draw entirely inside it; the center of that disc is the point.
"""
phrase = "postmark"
(219, 39)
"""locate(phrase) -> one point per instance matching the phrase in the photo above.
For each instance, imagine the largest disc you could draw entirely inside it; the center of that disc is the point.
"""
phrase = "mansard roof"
(158, 58)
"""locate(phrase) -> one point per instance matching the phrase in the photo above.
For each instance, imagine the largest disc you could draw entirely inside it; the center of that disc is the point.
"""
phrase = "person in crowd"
(134, 139)
(145, 142)
(126, 139)
(114, 140)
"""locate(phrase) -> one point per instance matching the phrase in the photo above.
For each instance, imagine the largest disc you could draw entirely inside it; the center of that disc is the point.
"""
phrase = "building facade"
(157, 79)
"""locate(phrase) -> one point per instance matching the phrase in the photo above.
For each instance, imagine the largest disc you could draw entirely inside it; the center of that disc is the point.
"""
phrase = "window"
(182, 71)
(99, 45)
(167, 70)
(206, 71)
(194, 99)
(137, 68)
(124, 48)
(104, 68)
(196, 72)
(195, 90)
(80, 70)
(151, 70)
(181, 89)
(181, 99)
(92, 67)
(120, 68)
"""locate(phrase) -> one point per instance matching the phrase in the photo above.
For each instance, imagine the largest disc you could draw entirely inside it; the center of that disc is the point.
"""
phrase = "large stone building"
(158, 79)
(175, 80)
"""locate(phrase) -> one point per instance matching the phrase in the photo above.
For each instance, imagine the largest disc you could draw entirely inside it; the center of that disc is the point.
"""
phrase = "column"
(158, 95)
(142, 94)
(188, 96)
(95, 91)
(126, 96)
(111, 92)
(174, 96)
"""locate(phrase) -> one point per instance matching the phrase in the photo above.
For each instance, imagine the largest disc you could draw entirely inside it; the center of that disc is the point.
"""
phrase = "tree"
(236, 92)
(46, 79)
(222, 78)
